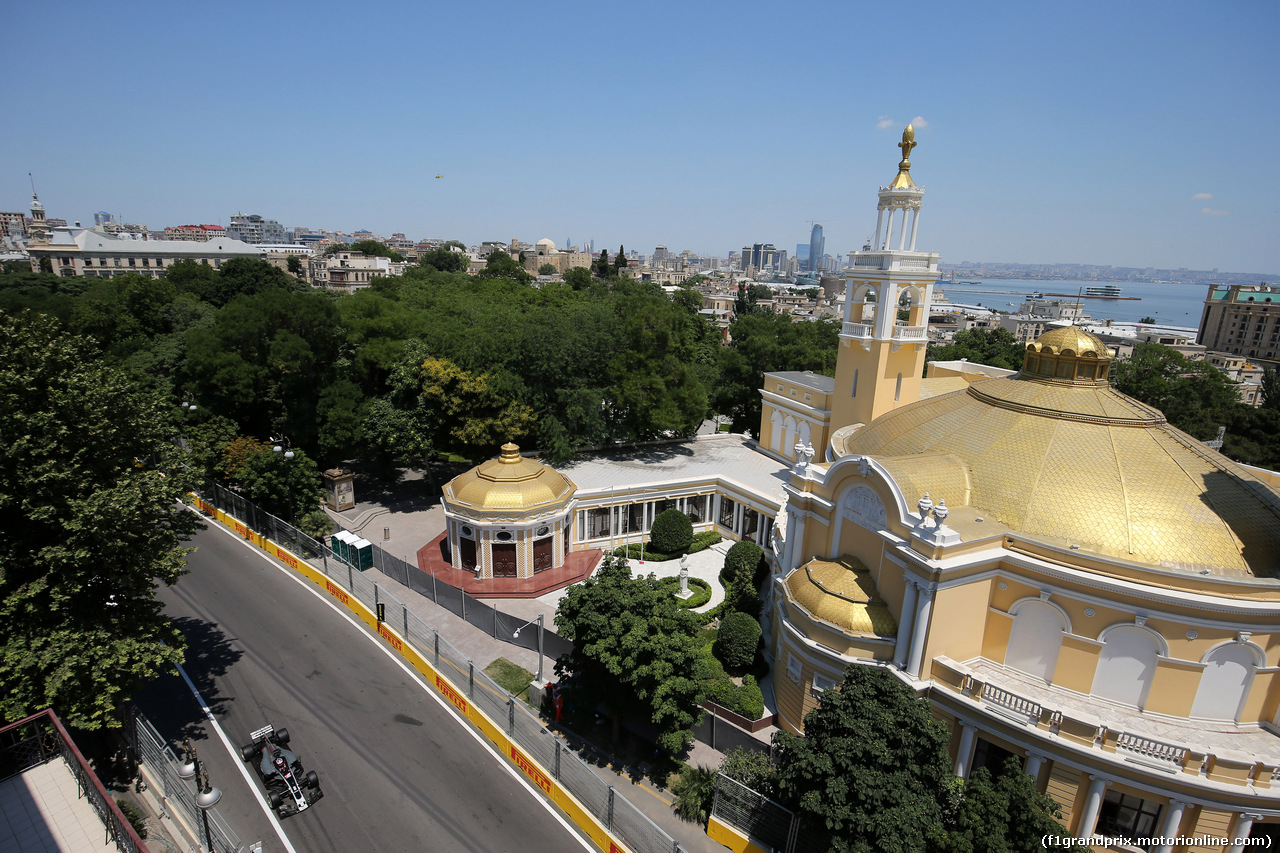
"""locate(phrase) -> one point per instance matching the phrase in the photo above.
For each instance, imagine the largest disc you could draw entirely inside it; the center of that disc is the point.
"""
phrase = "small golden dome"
(841, 593)
(508, 485)
(1071, 340)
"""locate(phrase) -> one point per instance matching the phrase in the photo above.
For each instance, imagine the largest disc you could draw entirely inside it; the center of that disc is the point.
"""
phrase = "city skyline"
(1123, 136)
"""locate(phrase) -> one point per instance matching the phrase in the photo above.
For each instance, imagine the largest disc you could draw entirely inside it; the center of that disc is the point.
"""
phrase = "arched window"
(1127, 664)
(788, 436)
(775, 439)
(1036, 638)
(805, 432)
(1225, 683)
(897, 391)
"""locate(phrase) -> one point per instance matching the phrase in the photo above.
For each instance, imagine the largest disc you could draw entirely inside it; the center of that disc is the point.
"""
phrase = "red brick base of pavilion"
(578, 565)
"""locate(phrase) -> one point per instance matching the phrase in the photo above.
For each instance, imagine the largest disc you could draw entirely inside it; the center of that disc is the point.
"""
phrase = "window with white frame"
(822, 683)
(794, 667)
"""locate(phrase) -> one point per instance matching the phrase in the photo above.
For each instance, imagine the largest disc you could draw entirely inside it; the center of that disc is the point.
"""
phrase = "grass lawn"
(510, 677)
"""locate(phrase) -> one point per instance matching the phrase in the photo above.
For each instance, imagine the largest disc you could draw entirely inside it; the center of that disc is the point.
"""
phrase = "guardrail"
(608, 818)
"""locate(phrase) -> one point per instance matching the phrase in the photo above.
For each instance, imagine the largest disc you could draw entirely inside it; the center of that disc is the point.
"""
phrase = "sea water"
(1169, 303)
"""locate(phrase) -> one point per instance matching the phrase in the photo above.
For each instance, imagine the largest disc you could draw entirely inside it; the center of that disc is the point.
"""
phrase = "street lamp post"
(516, 635)
(206, 795)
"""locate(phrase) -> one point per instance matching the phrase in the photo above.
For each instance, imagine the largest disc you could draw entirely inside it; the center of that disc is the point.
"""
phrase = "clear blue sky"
(1125, 133)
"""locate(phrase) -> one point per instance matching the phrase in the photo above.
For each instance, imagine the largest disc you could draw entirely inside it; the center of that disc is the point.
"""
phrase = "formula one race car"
(289, 789)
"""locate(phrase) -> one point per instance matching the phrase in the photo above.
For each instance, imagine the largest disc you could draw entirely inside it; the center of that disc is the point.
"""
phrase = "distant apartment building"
(12, 224)
(194, 233)
(1246, 375)
(103, 218)
(253, 229)
(760, 256)
(94, 253)
(350, 271)
(1037, 316)
(1242, 319)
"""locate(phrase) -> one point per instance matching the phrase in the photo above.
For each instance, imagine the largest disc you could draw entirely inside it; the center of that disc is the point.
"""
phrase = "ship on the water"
(1103, 291)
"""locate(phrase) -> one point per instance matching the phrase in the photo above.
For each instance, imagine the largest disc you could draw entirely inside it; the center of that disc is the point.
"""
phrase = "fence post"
(495, 623)
(375, 595)
(471, 680)
(557, 768)
(511, 715)
(350, 584)
(324, 559)
(437, 633)
(609, 818)
(793, 833)
(404, 611)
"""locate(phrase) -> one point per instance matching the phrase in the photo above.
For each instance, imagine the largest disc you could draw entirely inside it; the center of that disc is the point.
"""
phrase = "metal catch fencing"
(520, 723)
(767, 823)
(154, 753)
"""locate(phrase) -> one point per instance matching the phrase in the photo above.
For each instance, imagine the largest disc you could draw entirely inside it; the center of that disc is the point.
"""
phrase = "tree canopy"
(993, 347)
(634, 648)
(90, 523)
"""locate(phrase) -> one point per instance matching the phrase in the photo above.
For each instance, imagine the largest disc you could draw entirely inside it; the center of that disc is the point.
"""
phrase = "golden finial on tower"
(904, 167)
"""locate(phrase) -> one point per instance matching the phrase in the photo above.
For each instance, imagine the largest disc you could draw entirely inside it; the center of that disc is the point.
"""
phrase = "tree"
(376, 248)
(1005, 813)
(501, 265)
(744, 566)
(633, 648)
(1270, 388)
(752, 768)
(1147, 320)
(736, 641)
(287, 488)
(247, 277)
(620, 261)
(993, 347)
(694, 793)
(547, 269)
(294, 263)
(578, 278)
(1195, 396)
(445, 259)
(89, 525)
(602, 268)
(871, 772)
(672, 532)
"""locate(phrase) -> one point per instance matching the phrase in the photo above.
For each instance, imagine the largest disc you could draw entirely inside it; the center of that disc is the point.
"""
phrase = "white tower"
(881, 358)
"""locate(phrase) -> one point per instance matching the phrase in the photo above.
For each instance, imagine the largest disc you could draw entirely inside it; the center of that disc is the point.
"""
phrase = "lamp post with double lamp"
(206, 795)
(537, 679)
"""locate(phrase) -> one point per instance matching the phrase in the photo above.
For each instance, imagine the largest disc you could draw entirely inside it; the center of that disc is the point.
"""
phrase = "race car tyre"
(313, 780)
(276, 798)
(282, 736)
(249, 752)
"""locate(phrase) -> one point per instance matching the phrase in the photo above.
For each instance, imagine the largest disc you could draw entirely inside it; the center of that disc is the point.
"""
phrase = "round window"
(543, 531)
(502, 536)
(467, 531)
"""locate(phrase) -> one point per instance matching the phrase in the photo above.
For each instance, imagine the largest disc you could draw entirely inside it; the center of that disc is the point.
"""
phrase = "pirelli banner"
(538, 775)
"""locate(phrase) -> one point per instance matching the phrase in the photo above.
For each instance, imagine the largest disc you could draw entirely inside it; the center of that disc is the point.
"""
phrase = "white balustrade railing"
(857, 330)
(1020, 705)
(1154, 750)
(911, 332)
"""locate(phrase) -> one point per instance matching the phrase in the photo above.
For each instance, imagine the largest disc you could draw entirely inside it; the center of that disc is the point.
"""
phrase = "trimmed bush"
(672, 532)
(737, 641)
(745, 701)
(704, 540)
(744, 568)
(632, 552)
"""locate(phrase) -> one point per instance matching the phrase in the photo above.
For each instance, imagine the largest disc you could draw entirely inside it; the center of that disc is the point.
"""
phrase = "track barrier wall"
(605, 816)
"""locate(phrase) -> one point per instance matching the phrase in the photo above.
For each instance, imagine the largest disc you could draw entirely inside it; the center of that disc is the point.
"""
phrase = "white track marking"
(239, 760)
(412, 673)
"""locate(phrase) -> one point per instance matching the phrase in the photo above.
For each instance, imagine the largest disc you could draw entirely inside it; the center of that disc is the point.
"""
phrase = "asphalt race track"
(398, 770)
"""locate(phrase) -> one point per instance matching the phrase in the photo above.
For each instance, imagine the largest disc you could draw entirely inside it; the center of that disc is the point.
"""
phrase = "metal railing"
(769, 824)
(153, 752)
(519, 722)
(41, 738)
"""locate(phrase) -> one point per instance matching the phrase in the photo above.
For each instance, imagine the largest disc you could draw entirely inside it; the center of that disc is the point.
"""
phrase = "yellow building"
(1067, 577)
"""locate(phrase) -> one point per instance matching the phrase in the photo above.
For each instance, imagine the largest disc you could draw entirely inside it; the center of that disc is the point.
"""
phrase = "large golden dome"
(508, 486)
(1071, 339)
(1078, 464)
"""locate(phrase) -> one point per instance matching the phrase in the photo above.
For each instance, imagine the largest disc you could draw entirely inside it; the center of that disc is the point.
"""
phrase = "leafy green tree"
(247, 277)
(90, 524)
(444, 259)
(672, 532)
(737, 640)
(501, 265)
(633, 648)
(871, 772)
(602, 268)
(547, 269)
(744, 568)
(1270, 388)
(752, 768)
(294, 264)
(578, 278)
(620, 261)
(1195, 396)
(376, 249)
(993, 347)
(288, 488)
(688, 299)
(1005, 813)
(192, 277)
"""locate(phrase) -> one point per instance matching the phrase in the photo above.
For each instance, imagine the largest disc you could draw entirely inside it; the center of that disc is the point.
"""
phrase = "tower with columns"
(881, 358)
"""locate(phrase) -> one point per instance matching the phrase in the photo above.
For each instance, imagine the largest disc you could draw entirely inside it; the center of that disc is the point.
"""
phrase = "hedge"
(701, 591)
(737, 641)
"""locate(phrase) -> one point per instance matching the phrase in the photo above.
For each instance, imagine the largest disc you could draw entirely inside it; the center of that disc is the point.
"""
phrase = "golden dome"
(1080, 465)
(841, 593)
(1073, 340)
(508, 485)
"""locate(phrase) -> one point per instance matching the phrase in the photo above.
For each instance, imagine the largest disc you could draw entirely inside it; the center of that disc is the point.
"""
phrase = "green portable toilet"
(341, 543)
(362, 554)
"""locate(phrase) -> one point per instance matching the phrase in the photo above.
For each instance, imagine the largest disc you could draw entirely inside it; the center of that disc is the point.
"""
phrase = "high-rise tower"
(817, 246)
(881, 358)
